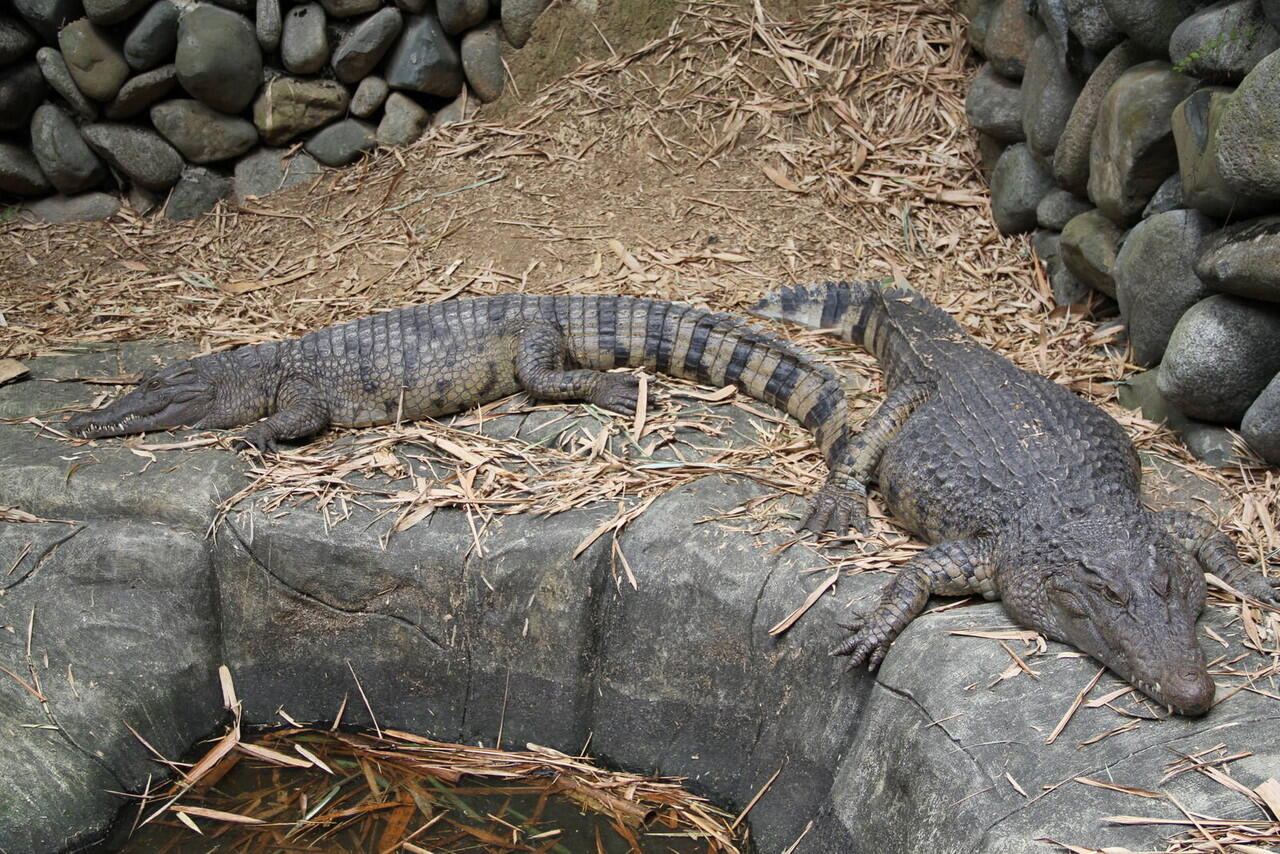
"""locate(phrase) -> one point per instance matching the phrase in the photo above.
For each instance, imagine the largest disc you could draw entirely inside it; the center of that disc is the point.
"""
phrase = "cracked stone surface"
(135, 607)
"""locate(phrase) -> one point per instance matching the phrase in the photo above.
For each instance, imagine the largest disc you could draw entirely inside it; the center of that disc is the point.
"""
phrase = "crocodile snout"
(1189, 692)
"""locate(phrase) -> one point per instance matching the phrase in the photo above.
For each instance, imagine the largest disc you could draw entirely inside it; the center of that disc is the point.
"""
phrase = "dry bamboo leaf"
(266, 754)
(11, 369)
(1269, 791)
(814, 595)
(1116, 787)
(777, 177)
(216, 815)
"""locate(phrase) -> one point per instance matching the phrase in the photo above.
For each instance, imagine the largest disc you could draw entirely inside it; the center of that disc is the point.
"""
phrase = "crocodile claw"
(836, 510)
(620, 393)
(256, 438)
(867, 645)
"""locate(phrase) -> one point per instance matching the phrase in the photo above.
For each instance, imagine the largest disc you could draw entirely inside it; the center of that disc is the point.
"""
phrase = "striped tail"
(843, 308)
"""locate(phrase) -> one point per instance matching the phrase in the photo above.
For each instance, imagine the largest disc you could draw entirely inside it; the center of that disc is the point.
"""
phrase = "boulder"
(21, 91)
(304, 44)
(95, 63)
(1156, 281)
(1150, 23)
(1133, 149)
(482, 61)
(153, 40)
(1196, 123)
(425, 60)
(290, 106)
(136, 152)
(1168, 195)
(1224, 41)
(1067, 288)
(1260, 426)
(218, 59)
(46, 17)
(342, 142)
(200, 134)
(195, 194)
(1092, 25)
(16, 41)
(1049, 92)
(518, 17)
(54, 69)
(364, 46)
(979, 23)
(268, 25)
(1018, 183)
(85, 207)
(994, 105)
(1244, 259)
(1209, 443)
(1071, 157)
(64, 157)
(141, 92)
(1220, 357)
(270, 170)
(403, 121)
(1059, 207)
(107, 12)
(1248, 138)
(20, 172)
(369, 97)
(458, 16)
(350, 8)
(464, 107)
(1090, 242)
(1271, 8)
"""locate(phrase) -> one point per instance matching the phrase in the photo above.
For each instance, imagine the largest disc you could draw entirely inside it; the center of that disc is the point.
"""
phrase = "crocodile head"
(177, 395)
(1113, 584)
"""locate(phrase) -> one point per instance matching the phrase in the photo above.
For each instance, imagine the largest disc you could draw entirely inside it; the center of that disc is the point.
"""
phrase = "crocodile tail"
(844, 308)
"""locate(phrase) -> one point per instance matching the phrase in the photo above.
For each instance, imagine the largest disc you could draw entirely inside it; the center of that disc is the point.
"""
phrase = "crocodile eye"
(1071, 603)
(1112, 595)
(1160, 581)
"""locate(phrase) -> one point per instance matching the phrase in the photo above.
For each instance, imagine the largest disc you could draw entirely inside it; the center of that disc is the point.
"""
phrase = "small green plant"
(7, 213)
(1235, 34)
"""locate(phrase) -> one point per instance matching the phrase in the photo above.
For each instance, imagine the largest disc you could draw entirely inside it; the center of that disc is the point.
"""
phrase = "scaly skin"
(1028, 494)
(430, 360)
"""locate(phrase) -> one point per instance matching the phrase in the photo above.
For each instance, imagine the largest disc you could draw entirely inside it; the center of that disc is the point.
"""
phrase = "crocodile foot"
(618, 393)
(837, 509)
(257, 438)
(869, 643)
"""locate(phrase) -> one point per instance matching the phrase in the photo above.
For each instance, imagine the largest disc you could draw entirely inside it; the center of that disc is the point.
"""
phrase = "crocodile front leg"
(540, 355)
(953, 568)
(1218, 555)
(842, 501)
(300, 411)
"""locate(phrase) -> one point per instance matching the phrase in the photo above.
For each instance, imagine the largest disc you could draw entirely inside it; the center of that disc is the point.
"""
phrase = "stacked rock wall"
(1141, 138)
(195, 101)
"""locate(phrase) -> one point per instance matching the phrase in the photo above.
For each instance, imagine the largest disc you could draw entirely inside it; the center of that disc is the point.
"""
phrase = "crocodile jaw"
(145, 409)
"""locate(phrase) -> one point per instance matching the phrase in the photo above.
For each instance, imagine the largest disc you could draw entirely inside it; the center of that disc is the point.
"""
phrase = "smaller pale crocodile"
(1028, 493)
(430, 360)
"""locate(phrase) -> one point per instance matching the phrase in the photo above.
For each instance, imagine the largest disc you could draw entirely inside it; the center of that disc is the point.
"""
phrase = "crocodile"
(1026, 493)
(428, 360)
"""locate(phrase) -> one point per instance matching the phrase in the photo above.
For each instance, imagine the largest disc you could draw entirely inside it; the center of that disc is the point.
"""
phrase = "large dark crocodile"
(431, 360)
(1028, 494)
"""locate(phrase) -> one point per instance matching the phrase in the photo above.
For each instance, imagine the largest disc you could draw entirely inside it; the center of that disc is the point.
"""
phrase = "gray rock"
(1058, 208)
(1196, 123)
(304, 44)
(21, 91)
(482, 61)
(1244, 259)
(1248, 150)
(1150, 23)
(1046, 243)
(1260, 426)
(1018, 183)
(108, 12)
(1054, 18)
(269, 170)
(994, 105)
(1167, 197)
(1071, 157)
(412, 7)
(20, 172)
(1007, 44)
(138, 153)
(342, 142)
(141, 92)
(1049, 91)
(268, 25)
(64, 157)
(289, 106)
(16, 40)
(1209, 443)
(142, 200)
(1133, 149)
(425, 60)
(369, 97)
(48, 16)
(54, 69)
(365, 45)
(1223, 41)
(1222, 354)
(350, 8)
(95, 63)
(459, 109)
(1090, 242)
(86, 207)
(195, 194)
(153, 40)
(1271, 8)
(1066, 287)
(244, 7)
(1156, 281)
(989, 151)
(403, 121)
(218, 59)
(457, 16)
(979, 24)
(1092, 25)
(200, 134)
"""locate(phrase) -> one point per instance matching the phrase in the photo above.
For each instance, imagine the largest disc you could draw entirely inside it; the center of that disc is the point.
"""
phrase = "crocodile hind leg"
(1218, 555)
(540, 369)
(952, 568)
(842, 501)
